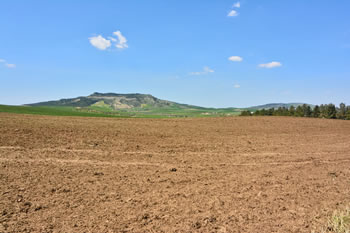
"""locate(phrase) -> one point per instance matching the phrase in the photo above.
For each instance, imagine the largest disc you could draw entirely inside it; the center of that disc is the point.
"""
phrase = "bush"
(339, 222)
(246, 113)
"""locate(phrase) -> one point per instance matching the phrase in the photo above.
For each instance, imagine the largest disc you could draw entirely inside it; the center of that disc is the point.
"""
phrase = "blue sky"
(201, 52)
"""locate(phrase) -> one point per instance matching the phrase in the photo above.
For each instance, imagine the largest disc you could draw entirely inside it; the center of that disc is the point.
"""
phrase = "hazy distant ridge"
(276, 105)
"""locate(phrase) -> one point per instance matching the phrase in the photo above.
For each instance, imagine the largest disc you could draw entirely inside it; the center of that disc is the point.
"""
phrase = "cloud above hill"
(235, 58)
(102, 43)
(122, 41)
(206, 70)
(232, 13)
(11, 66)
(237, 5)
(270, 65)
(8, 65)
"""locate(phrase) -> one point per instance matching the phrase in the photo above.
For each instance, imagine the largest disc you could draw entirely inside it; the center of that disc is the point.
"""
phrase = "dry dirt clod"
(98, 173)
(197, 225)
(38, 208)
(29, 204)
(145, 216)
(19, 198)
(4, 212)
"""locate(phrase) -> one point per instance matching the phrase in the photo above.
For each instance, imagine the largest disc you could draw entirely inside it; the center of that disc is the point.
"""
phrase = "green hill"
(112, 101)
(127, 105)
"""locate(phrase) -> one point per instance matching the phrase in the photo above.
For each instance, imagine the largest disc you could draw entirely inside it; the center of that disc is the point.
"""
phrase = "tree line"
(329, 111)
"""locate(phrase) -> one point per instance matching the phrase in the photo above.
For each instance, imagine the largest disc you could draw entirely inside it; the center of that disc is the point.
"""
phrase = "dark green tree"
(278, 112)
(292, 110)
(323, 111)
(246, 113)
(257, 113)
(330, 111)
(347, 113)
(316, 111)
(285, 111)
(270, 111)
(299, 112)
(341, 113)
(307, 110)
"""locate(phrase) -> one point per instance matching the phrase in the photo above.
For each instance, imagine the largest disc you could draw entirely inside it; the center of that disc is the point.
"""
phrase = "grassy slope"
(54, 111)
(103, 111)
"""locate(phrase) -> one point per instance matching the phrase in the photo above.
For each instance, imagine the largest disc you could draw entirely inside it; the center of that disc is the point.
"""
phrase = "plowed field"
(234, 174)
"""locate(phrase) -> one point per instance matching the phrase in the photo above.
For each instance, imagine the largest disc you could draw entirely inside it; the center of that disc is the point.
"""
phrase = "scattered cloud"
(11, 66)
(112, 39)
(232, 13)
(206, 70)
(237, 5)
(270, 65)
(237, 86)
(100, 42)
(235, 58)
(122, 41)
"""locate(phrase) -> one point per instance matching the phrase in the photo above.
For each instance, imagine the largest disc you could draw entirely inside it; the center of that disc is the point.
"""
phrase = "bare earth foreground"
(264, 174)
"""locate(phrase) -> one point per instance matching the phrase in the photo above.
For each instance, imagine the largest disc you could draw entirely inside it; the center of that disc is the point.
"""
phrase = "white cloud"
(237, 86)
(112, 39)
(100, 42)
(232, 13)
(270, 65)
(11, 66)
(235, 58)
(206, 70)
(122, 41)
(237, 5)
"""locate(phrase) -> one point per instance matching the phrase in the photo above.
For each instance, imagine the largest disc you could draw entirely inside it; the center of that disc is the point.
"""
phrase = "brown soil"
(264, 174)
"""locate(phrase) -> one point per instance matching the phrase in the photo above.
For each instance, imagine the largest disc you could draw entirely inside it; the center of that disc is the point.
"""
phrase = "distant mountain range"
(116, 102)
